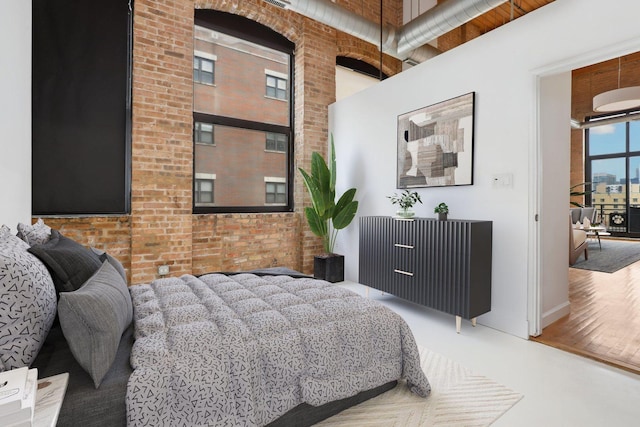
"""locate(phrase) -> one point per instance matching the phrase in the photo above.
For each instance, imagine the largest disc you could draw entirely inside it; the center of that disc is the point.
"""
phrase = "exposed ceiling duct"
(330, 14)
(408, 43)
(439, 20)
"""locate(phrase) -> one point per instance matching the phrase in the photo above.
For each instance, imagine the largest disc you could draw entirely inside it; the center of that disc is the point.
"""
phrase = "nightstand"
(49, 399)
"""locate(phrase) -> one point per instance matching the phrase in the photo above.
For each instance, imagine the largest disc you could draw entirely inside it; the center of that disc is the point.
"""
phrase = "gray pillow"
(70, 263)
(113, 261)
(93, 319)
(27, 303)
(35, 234)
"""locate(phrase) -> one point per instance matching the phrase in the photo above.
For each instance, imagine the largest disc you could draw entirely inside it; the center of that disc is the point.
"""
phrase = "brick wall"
(112, 234)
(162, 148)
(232, 242)
(161, 228)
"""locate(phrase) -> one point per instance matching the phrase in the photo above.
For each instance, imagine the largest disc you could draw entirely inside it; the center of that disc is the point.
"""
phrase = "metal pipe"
(440, 20)
(409, 43)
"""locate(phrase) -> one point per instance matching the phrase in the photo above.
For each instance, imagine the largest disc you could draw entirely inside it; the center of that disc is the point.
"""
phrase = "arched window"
(354, 75)
(242, 111)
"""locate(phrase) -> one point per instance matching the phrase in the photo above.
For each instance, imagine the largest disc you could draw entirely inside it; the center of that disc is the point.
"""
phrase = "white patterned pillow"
(35, 234)
(27, 303)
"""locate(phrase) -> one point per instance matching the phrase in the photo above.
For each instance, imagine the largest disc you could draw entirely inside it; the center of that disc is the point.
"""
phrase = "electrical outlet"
(163, 270)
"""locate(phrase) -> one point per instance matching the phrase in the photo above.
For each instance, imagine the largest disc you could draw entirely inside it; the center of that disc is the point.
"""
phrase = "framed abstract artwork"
(435, 144)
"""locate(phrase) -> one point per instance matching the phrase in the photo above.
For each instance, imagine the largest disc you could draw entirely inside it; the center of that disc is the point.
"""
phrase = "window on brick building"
(276, 142)
(276, 192)
(204, 187)
(203, 69)
(203, 133)
(243, 134)
(276, 86)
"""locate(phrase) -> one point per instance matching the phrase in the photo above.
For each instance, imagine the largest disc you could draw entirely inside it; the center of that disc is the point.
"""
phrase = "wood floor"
(604, 323)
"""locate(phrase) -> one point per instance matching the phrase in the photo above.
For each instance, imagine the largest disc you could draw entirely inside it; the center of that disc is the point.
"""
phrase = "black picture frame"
(435, 144)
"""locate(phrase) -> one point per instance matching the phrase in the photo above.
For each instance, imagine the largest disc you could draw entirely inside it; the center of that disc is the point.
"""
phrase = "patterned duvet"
(242, 350)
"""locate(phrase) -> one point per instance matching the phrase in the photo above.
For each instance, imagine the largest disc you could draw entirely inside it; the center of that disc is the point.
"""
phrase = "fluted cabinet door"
(375, 253)
(445, 265)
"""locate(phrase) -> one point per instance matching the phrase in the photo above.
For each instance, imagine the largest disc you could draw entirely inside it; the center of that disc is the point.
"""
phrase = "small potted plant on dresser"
(325, 216)
(442, 210)
(405, 200)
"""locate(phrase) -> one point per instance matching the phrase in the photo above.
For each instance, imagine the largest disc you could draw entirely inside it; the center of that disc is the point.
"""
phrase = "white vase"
(405, 213)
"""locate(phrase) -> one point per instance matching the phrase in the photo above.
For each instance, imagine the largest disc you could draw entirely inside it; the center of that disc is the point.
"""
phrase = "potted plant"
(326, 216)
(405, 200)
(442, 210)
(575, 192)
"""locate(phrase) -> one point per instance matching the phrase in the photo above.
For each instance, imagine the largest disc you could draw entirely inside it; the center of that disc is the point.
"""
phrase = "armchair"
(579, 214)
(577, 243)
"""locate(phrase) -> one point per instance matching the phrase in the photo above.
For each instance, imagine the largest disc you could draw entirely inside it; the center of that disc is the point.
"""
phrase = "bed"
(252, 348)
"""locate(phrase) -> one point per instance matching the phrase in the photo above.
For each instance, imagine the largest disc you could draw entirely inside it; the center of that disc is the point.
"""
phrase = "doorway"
(591, 296)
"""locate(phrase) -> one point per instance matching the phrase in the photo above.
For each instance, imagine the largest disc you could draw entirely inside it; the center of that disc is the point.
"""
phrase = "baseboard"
(557, 312)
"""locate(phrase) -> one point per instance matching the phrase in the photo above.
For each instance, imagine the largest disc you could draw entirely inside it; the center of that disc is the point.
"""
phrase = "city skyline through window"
(612, 166)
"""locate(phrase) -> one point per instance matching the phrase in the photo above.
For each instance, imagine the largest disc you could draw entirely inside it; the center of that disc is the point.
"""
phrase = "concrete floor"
(559, 388)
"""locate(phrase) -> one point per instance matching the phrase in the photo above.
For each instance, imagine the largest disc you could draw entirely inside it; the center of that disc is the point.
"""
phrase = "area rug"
(458, 398)
(615, 254)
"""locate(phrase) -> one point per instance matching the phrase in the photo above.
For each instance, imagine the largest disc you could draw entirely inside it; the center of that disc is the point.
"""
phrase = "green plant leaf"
(317, 225)
(345, 199)
(574, 193)
(345, 215)
(326, 217)
(321, 174)
(315, 192)
(332, 170)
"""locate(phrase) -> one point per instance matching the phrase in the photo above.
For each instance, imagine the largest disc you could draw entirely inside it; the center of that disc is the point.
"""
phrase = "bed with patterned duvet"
(246, 349)
(267, 347)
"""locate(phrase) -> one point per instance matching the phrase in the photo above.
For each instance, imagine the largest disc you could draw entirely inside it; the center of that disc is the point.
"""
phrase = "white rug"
(458, 398)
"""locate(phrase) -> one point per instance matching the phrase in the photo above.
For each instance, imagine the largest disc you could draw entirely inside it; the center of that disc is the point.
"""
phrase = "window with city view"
(242, 116)
(612, 165)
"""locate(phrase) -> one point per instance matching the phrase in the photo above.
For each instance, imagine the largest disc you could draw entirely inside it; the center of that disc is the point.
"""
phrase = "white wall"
(503, 67)
(15, 112)
(349, 82)
(555, 150)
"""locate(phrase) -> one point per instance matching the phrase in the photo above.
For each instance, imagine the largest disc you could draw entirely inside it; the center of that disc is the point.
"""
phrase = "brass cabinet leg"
(458, 323)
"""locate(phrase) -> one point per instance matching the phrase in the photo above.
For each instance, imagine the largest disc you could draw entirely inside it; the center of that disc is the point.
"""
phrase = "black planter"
(442, 216)
(329, 267)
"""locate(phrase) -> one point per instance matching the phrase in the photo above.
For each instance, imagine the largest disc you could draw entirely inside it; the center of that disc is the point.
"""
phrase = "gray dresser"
(445, 265)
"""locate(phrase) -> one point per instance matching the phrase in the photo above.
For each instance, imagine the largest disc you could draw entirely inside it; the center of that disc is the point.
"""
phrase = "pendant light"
(618, 99)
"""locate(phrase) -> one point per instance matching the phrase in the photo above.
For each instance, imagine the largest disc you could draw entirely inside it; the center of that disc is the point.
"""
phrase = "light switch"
(502, 180)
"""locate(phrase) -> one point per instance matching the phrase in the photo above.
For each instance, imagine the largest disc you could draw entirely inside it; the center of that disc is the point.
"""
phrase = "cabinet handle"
(404, 219)
(399, 245)
(406, 273)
